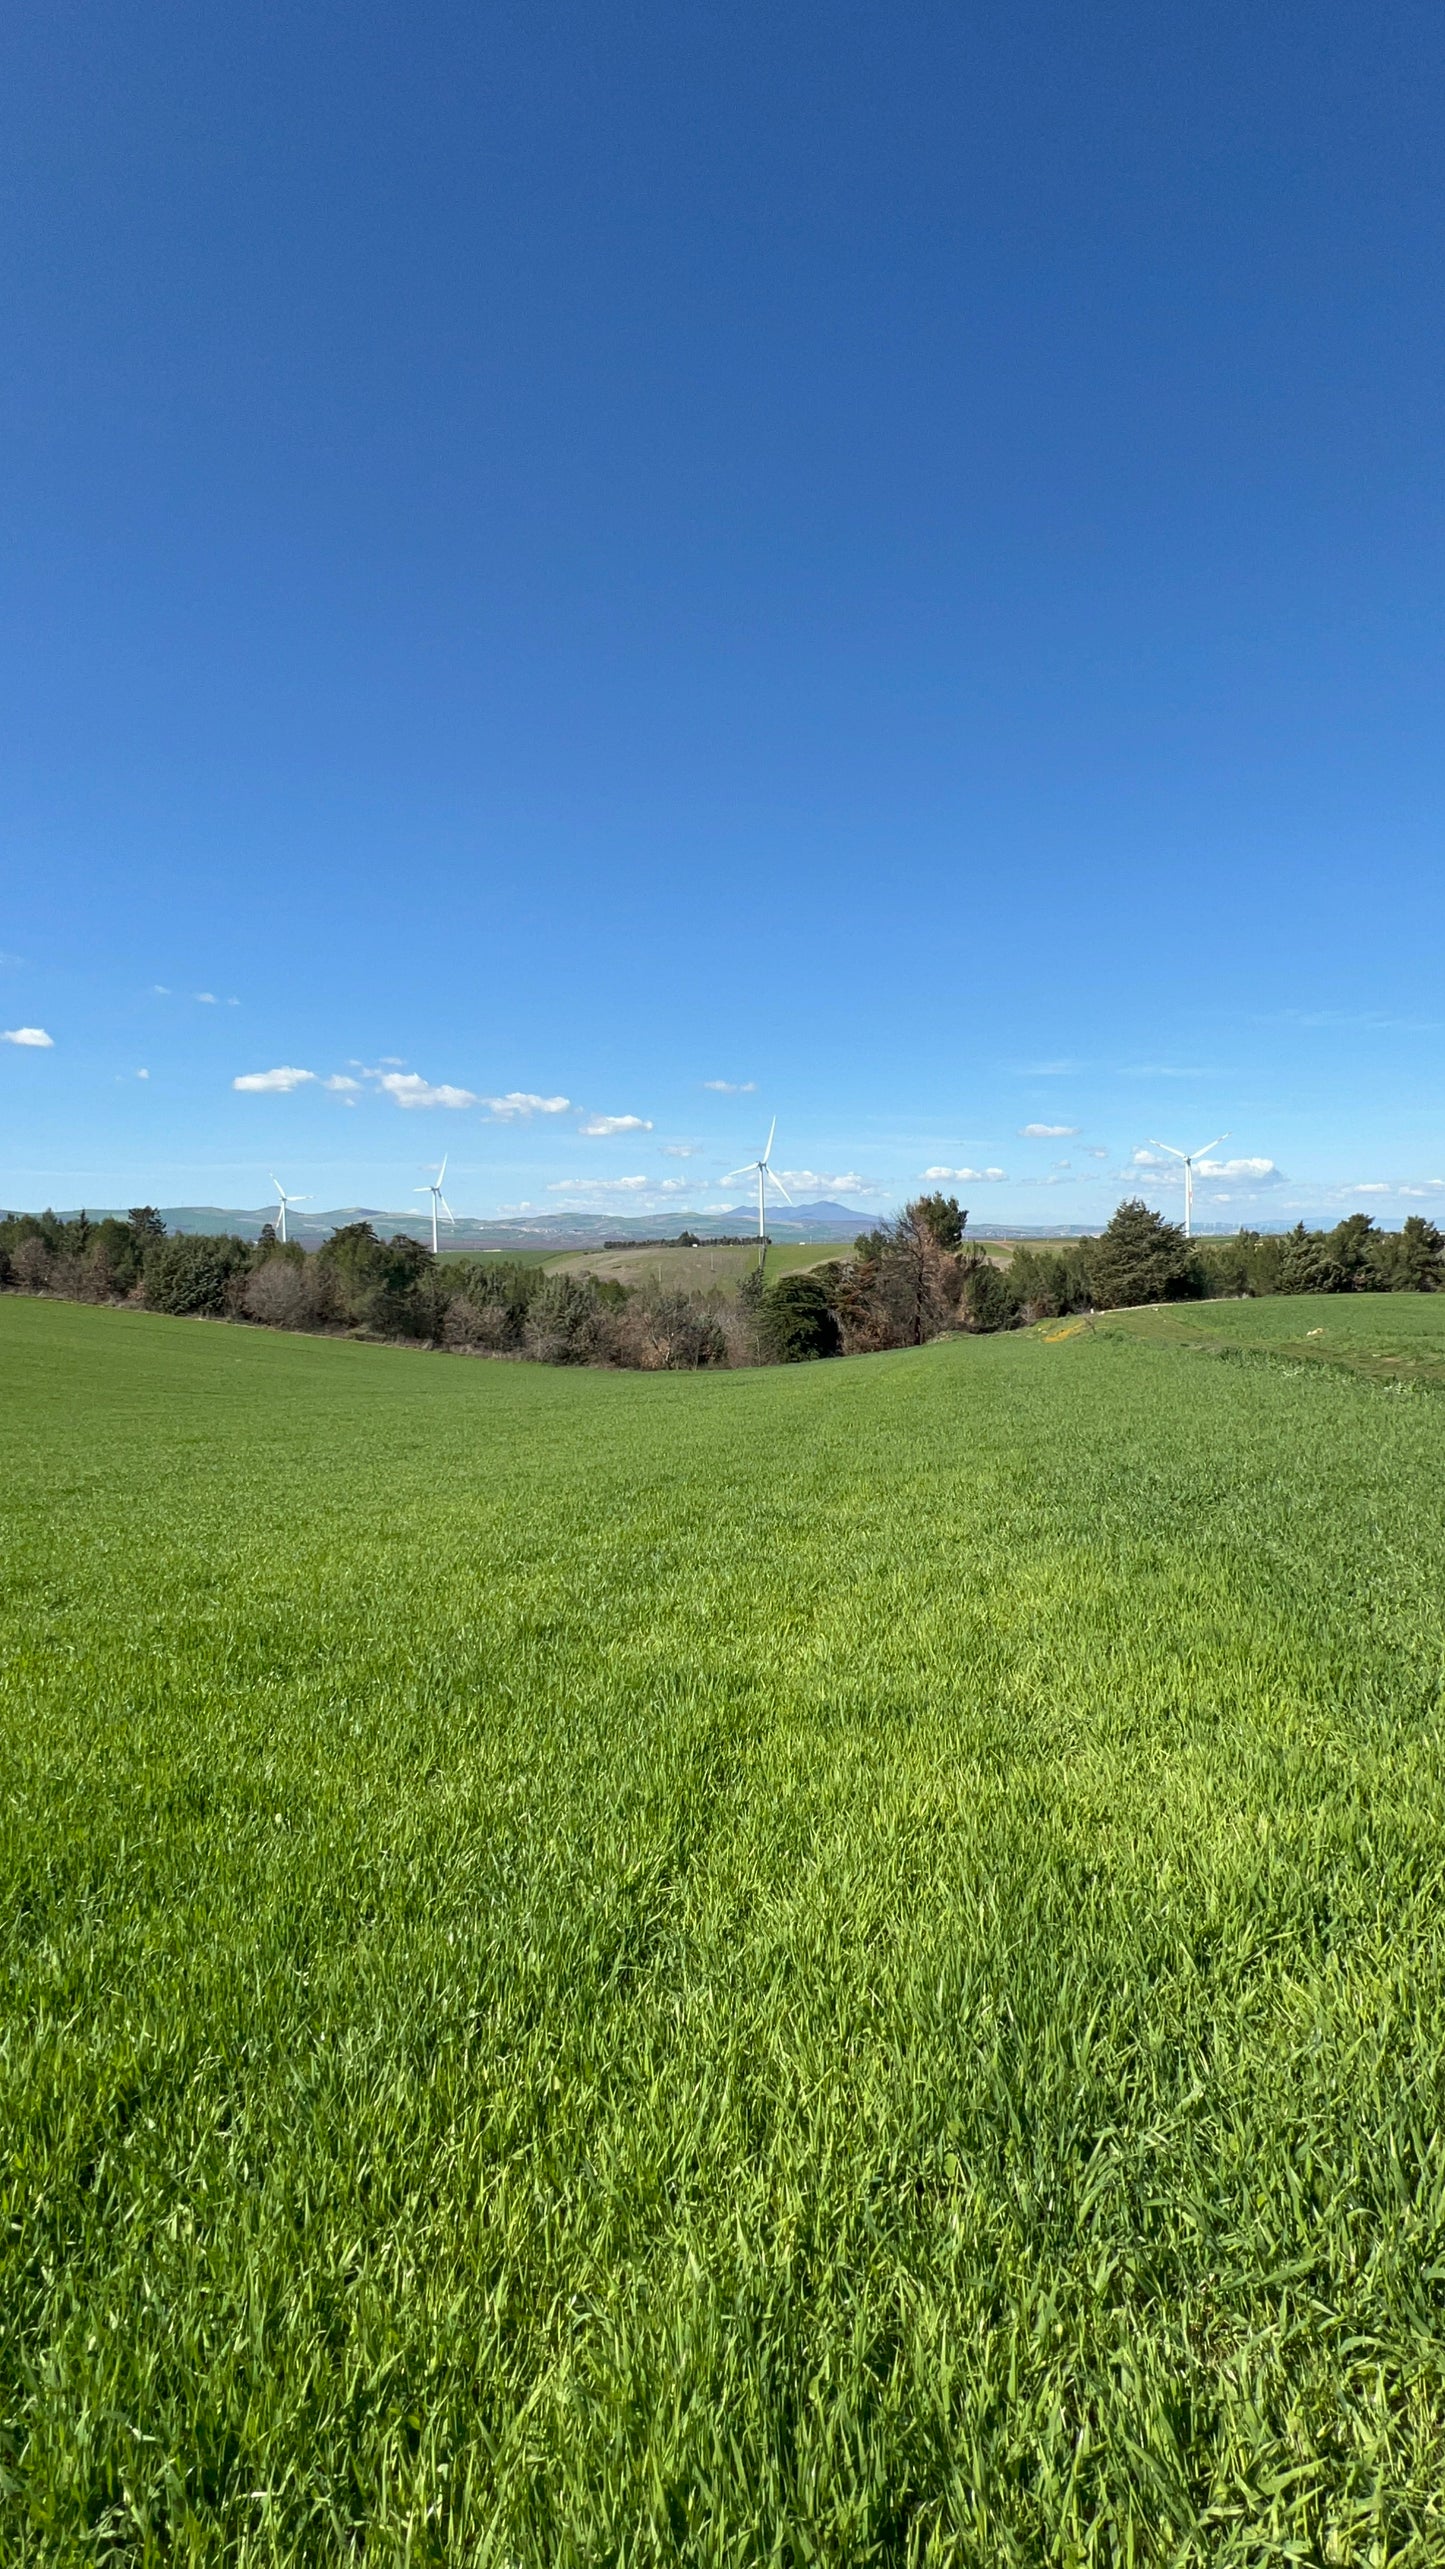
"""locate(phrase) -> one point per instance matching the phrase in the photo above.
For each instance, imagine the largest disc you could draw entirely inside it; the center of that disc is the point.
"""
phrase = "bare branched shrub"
(486, 1329)
(30, 1266)
(667, 1333)
(279, 1295)
(737, 1326)
(71, 1276)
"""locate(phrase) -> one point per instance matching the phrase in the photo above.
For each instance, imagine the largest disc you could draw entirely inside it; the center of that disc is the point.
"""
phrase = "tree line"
(908, 1281)
(1141, 1258)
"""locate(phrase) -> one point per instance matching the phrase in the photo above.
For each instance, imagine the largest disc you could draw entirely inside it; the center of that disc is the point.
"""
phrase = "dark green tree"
(1142, 1258)
(1249, 1263)
(1349, 1246)
(1410, 1260)
(1307, 1266)
(389, 1286)
(990, 1300)
(798, 1321)
(189, 1274)
(564, 1323)
(941, 1217)
(116, 1253)
(1048, 1282)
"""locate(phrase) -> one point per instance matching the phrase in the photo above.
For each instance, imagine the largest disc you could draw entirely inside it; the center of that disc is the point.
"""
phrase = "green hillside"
(707, 1268)
(831, 1964)
(1391, 1338)
(712, 1265)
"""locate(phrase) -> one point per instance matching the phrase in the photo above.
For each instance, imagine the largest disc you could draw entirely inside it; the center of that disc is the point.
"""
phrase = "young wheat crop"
(841, 1964)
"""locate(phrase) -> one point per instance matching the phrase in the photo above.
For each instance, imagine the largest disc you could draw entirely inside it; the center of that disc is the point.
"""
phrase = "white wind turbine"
(766, 1175)
(285, 1200)
(433, 1188)
(1189, 1158)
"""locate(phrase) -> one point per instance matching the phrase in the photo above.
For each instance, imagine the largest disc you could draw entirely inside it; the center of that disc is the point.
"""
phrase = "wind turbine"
(285, 1200)
(766, 1174)
(1189, 1158)
(433, 1188)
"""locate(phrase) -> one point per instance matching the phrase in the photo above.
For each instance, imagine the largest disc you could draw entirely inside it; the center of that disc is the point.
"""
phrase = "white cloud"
(1253, 1172)
(1048, 1132)
(1376, 1186)
(206, 998)
(341, 1086)
(34, 1038)
(522, 1101)
(595, 1194)
(1047, 1069)
(832, 1181)
(142, 1074)
(1431, 1186)
(972, 1177)
(732, 1087)
(160, 989)
(681, 1150)
(598, 1125)
(1097, 1151)
(410, 1089)
(1242, 1172)
(273, 1082)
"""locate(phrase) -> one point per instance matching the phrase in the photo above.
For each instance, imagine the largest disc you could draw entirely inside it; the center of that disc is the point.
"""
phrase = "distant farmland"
(711, 1265)
(826, 1964)
(708, 1267)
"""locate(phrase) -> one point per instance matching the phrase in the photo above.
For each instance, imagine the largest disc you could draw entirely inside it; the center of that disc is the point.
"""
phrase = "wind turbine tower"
(766, 1176)
(433, 1188)
(1189, 1158)
(285, 1200)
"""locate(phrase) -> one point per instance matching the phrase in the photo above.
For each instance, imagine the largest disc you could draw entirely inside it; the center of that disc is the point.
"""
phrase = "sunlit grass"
(1388, 1337)
(829, 1964)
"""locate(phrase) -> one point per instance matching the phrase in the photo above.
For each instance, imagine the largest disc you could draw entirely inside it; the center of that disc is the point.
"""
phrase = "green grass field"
(830, 1965)
(495, 1257)
(710, 1267)
(1396, 1338)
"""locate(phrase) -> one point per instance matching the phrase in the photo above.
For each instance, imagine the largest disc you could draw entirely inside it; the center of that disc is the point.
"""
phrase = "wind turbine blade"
(768, 1145)
(776, 1181)
(745, 1171)
(1169, 1147)
(447, 1210)
(1210, 1146)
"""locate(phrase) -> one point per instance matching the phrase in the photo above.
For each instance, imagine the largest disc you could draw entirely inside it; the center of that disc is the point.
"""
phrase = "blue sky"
(879, 566)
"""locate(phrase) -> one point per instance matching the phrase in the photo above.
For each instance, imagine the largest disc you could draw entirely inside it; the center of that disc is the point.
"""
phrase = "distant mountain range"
(823, 1219)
